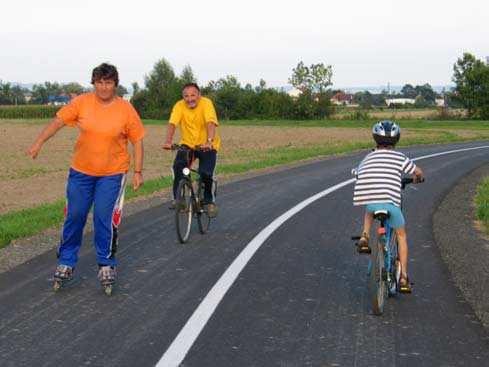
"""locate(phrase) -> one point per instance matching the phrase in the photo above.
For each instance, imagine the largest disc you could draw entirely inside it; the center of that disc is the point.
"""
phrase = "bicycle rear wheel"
(376, 284)
(203, 218)
(395, 265)
(183, 210)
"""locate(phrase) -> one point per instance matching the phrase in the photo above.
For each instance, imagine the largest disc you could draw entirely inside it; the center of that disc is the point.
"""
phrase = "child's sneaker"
(362, 245)
(404, 284)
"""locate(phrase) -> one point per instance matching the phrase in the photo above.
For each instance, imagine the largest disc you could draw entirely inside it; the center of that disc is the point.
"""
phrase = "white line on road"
(179, 348)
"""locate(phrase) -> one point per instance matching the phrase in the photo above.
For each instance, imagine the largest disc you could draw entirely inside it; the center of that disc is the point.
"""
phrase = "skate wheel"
(108, 290)
(56, 285)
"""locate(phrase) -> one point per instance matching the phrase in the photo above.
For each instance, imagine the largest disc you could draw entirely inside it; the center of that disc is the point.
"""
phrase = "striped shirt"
(379, 177)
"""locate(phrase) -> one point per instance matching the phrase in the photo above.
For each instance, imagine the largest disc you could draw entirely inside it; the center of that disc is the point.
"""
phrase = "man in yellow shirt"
(196, 117)
(98, 170)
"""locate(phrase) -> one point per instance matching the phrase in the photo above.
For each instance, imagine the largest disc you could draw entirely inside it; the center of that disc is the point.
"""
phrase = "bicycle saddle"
(381, 215)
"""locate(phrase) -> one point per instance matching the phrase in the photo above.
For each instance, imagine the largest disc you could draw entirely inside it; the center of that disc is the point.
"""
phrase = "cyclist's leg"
(398, 223)
(207, 165)
(367, 224)
(403, 250)
(180, 162)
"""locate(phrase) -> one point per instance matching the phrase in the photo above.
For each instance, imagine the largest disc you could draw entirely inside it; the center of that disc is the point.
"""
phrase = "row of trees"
(162, 88)
(423, 96)
(41, 93)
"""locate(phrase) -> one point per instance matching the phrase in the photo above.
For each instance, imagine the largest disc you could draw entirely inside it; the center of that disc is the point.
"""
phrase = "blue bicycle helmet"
(386, 132)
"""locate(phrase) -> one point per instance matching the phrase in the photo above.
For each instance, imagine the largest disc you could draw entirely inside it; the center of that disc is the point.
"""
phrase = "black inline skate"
(106, 276)
(62, 275)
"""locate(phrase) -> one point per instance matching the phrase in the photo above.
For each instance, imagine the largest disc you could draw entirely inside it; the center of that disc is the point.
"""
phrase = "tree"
(162, 90)
(121, 91)
(74, 88)
(364, 99)
(187, 76)
(315, 78)
(135, 88)
(227, 92)
(408, 91)
(425, 91)
(420, 102)
(313, 82)
(471, 77)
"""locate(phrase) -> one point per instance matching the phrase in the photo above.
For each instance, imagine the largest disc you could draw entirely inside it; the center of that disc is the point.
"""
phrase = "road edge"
(462, 245)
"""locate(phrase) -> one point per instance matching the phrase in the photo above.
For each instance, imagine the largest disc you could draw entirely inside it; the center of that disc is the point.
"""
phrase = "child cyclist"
(378, 186)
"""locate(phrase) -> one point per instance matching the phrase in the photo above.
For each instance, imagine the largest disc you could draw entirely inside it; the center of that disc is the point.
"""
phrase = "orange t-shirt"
(101, 148)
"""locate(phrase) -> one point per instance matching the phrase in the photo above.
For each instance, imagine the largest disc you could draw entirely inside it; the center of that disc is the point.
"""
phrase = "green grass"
(26, 222)
(411, 124)
(404, 123)
(23, 223)
(482, 203)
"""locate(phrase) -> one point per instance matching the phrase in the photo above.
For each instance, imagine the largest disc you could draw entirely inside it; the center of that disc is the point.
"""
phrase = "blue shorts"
(396, 218)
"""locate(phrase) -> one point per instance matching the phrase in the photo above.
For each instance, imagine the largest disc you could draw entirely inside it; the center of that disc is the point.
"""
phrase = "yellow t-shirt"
(193, 122)
(101, 148)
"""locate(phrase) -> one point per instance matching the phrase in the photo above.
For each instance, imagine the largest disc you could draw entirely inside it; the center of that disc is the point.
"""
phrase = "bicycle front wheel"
(183, 210)
(376, 283)
(203, 218)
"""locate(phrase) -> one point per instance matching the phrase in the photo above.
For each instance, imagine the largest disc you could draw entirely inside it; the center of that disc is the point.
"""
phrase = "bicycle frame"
(189, 202)
(384, 267)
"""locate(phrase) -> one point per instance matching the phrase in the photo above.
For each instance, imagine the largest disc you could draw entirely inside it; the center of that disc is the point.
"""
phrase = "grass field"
(35, 189)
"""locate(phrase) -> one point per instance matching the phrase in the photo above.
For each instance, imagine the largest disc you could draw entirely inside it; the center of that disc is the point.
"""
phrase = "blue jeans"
(105, 194)
(207, 165)
(396, 218)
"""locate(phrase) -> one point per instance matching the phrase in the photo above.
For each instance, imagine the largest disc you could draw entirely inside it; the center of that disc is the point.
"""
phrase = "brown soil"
(25, 182)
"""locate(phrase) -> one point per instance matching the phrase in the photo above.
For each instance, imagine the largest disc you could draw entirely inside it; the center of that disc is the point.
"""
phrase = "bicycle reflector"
(186, 171)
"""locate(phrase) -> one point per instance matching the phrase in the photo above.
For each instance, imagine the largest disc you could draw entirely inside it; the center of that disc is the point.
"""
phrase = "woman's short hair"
(105, 71)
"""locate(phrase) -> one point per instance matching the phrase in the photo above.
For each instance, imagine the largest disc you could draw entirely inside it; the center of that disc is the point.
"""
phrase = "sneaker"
(362, 245)
(173, 205)
(212, 210)
(405, 284)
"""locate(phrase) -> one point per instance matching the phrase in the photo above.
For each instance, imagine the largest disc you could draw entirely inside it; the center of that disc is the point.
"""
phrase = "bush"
(28, 112)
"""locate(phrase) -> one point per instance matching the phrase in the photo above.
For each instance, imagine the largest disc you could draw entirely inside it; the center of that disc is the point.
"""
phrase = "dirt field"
(401, 114)
(25, 183)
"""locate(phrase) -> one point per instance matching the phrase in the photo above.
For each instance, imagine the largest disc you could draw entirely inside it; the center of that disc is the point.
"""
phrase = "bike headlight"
(186, 171)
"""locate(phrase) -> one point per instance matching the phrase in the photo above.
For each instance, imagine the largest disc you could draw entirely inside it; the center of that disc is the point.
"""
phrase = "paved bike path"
(300, 301)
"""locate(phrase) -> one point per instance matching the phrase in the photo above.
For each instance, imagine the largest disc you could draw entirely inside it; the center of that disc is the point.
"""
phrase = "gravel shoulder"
(463, 247)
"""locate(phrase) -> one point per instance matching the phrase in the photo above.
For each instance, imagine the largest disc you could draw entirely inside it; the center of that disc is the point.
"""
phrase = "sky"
(367, 43)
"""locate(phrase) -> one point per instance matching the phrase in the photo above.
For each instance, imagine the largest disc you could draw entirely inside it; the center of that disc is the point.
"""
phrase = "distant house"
(342, 99)
(62, 99)
(398, 101)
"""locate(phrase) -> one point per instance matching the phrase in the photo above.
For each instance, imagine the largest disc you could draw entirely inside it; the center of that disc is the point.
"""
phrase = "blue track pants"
(106, 194)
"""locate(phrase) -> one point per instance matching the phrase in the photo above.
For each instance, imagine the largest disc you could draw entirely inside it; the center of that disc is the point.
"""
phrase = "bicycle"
(189, 199)
(384, 268)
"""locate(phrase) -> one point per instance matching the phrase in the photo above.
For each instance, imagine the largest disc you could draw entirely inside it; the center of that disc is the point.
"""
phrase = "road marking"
(179, 348)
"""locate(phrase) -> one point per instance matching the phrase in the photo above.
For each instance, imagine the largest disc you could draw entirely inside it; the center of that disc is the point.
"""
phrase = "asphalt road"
(301, 300)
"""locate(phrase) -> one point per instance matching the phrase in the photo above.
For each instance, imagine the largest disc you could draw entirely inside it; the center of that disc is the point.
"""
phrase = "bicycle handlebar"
(183, 146)
(409, 180)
